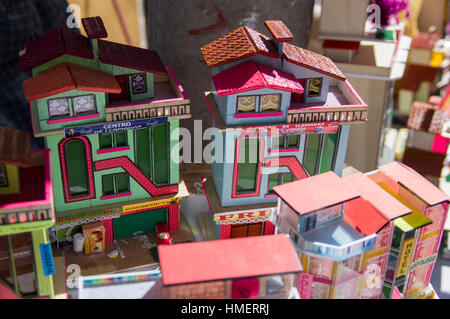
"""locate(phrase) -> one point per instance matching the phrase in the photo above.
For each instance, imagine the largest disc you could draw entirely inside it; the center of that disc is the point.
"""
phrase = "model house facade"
(282, 113)
(110, 115)
(26, 214)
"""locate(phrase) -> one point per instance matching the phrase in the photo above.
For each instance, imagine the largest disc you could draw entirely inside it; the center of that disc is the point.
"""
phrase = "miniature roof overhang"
(414, 182)
(360, 214)
(316, 192)
(130, 57)
(14, 147)
(65, 77)
(279, 31)
(59, 41)
(249, 76)
(388, 206)
(227, 259)
(94, 28)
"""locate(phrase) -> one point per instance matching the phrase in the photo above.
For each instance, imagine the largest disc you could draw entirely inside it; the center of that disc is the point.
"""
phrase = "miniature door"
(124, 95)
(245, 288)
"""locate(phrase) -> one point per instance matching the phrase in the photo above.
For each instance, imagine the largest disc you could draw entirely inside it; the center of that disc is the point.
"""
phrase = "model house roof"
(94, 28)
(360, 214)
(130, 57)
(59, 41)
(388, 206)
(65, 77)
(14, 147)
(250, 75)
(416, 74)
(245, 42)
(414, 182)
(425, 40)
(227, 259)
(315, 192)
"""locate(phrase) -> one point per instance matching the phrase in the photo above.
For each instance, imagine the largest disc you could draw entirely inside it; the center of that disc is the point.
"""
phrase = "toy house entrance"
(132, 224)
(124, 95)
(247, 230)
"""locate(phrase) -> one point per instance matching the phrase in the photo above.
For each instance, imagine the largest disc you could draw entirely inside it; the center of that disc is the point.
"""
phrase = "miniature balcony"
(343, 104)
(169, 100)
(34, 203)
(336, 240)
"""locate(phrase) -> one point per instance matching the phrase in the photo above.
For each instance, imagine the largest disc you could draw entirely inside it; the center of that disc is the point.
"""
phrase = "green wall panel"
(128, 225)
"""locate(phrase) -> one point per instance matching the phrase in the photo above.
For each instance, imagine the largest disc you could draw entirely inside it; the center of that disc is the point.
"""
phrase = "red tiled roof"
(65, 77)
(425, 40)
(315, 192)
(262, 43)
(279, 31)
(52, 45)
(227, 259)
(14, 147)
(363, 217)
(130, 57)
(312, 60)
(414, 182)
(94, 28)
(249, 76)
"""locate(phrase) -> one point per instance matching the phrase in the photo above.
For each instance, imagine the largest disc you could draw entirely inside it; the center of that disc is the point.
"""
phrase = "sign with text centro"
(113, 127)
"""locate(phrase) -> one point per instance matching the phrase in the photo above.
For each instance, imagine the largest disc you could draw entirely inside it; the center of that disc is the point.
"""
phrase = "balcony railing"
(353, 115)
(26, 215)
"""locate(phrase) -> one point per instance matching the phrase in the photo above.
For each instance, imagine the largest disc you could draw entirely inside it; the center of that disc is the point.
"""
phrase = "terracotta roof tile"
(52, 45)
(231, 47)
(425, 40)
(65, 77)
(14, 147)
(416, 74)
(262, 43)
(249, 76)
(130, 57)
(94, 28)
(279, 31)
(312, 60)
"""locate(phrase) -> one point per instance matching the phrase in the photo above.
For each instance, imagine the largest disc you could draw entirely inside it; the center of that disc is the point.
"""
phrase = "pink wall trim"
(109, 230)
(225, 231)
(269, 228)
(115, 196)
(74, 118)
(352, 89)
(284, 150)
(177, 83)
(206, 195)
(62, 159)
(112, 150)
(257, 115)
(270, 196)
(210, 110)
(236, 166)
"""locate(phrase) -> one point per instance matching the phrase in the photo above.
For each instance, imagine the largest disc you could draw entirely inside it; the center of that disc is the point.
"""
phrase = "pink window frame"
(236, 169)
(65, 179)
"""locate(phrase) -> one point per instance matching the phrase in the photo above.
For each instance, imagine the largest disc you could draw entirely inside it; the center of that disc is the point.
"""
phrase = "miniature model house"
(242, 268)
(109, 113)
(282, 113)
(26, 214)
(417, 236)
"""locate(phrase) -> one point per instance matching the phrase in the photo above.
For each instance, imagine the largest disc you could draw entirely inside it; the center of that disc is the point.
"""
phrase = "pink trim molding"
(257, 115)
(270, 196)
(115, 196)
(74, 118)
(284, 150)
(112, 150)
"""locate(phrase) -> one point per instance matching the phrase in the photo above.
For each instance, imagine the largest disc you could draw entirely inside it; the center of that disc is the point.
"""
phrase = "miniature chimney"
(95, 29)
(280, 33)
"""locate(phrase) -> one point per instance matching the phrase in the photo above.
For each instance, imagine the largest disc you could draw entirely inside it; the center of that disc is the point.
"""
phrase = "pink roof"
(249, 76)
(227, 259)
(412, 180)
(381, 200)
(363, 217)
(315, 192)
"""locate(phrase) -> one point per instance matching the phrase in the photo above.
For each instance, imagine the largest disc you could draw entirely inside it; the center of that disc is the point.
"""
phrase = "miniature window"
(286, 142)
(248, 164)
(246, 104)
(142, 140)
(113, 140)
(315, 87)
(84, 104)
(3, 176)
(116, 184)
(312, 151)
(76, 166)
(278, 179)
(138, 83)
(58, 107)
(270, 102)
(329, 152)
(274, 285)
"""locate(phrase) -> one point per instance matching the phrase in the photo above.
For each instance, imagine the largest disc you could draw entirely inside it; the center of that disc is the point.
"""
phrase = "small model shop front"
(111, 121)
(256, 267)
(26, 214)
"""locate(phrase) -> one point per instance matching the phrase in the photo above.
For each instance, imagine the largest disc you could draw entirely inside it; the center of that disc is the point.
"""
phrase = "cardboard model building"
(26, 214)
(282, 113)
(107, 112)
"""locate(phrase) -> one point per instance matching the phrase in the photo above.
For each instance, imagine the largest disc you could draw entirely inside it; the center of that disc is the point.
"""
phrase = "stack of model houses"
(287, 225)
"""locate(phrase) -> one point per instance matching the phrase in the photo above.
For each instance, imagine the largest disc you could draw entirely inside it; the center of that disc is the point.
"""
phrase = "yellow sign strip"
(405, 257)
